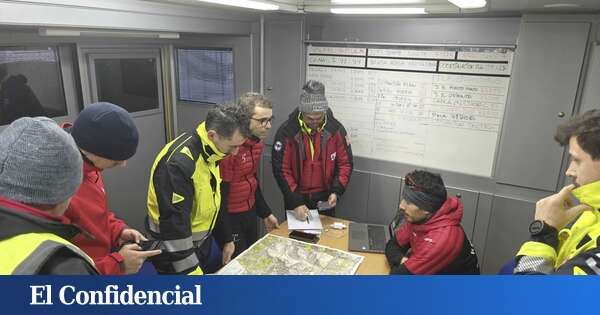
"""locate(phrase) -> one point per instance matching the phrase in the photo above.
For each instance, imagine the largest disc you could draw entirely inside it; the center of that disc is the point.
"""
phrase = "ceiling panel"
(437, 6)
(559, 5)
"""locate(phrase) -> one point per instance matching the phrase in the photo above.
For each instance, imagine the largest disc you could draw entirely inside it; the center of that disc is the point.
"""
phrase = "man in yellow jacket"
(184, 195)
(553, 247)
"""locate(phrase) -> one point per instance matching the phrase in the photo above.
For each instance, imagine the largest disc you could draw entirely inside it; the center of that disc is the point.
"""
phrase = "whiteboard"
(435, 108)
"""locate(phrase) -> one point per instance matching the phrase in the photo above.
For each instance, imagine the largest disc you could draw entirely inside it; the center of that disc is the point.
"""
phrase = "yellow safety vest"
(25, 254)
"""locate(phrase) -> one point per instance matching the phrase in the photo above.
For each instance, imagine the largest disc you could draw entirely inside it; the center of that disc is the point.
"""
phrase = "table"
(373, 264)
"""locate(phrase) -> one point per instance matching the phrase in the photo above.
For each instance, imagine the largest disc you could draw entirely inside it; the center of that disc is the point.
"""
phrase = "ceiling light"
(376, 1)
(562, 5)
(378, 11)
(468, 4)
(61, 32)
(257, 5)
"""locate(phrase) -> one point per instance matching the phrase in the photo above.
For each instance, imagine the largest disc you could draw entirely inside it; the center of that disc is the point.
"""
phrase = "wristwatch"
(544, 233)
(536, 227)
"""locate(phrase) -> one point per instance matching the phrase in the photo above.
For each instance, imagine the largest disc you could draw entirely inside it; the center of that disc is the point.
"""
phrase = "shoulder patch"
(177, 198)
(187, 152)
(277, 146)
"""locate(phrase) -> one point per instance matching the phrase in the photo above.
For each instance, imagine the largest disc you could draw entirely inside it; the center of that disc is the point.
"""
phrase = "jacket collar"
(210, 152)
(251, 141)
(89, 167)
(449, 214)
(589, 194)
(17, 218)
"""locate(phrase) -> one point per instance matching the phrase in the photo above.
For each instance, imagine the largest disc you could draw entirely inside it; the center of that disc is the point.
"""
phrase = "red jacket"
(239, 172)
(298, 173)
(89, 210)
(439, 245)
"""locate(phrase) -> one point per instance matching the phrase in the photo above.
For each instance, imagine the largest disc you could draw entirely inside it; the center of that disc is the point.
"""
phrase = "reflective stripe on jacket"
(26, 254)
(184, 198)
(578, 250)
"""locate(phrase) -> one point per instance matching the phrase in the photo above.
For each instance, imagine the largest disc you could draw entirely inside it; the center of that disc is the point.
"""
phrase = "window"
(129, 82)
(30, 83)
(205, 75)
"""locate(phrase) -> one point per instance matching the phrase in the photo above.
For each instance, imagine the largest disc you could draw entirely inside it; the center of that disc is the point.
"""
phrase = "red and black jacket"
(289, 154)
(239, 172)
(438, 246)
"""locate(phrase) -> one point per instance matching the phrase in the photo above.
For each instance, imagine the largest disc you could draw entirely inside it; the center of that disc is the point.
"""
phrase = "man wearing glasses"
(312, 158)
(244, 198)
(431, 239)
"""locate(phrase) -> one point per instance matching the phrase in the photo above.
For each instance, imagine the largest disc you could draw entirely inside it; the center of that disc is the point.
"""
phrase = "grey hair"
(226, 119)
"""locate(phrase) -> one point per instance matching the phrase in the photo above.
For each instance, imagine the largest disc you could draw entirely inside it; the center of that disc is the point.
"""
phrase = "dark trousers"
(312, 199)
(244, 229)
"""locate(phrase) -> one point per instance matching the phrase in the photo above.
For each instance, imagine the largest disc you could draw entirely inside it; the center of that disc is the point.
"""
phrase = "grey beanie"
(312, 98)
(39, 162)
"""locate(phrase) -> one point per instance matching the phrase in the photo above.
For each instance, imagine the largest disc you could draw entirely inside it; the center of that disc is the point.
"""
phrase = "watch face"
(536, 227)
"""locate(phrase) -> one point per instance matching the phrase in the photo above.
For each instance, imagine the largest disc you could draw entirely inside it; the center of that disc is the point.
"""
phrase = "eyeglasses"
(264, 121)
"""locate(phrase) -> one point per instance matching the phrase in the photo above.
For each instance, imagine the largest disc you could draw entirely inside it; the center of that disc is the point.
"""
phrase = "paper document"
(313, 222)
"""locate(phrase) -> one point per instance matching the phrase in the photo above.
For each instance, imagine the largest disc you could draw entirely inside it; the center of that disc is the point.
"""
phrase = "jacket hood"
(15, 222)
(449, 214)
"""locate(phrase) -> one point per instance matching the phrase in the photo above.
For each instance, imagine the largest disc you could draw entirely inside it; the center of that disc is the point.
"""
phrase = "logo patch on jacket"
(333, 155)
(177, 198)
(187, 152)
(278, 145)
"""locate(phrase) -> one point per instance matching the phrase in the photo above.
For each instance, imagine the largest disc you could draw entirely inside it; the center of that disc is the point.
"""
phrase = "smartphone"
(150, 245)
(304, 237)
(323, 205)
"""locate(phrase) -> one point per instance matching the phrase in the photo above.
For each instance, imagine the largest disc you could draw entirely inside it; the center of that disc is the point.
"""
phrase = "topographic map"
(275, 255)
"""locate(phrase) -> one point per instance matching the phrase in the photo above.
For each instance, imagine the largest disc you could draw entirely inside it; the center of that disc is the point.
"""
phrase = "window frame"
(176, 78)
(88, 54)
(63, 65)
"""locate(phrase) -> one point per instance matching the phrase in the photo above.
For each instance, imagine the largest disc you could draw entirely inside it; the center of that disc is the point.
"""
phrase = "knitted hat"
(312, 98)
(39, 162)
(106, 130)
(425, 190)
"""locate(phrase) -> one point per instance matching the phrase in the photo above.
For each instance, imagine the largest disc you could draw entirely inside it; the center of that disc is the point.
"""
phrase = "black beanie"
(106, 130)
(429, 199)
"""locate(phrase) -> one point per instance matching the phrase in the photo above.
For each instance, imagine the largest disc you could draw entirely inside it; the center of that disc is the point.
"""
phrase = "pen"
(308, 215)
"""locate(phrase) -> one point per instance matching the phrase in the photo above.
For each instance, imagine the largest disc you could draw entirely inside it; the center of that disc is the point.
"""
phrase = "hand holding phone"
(323, 205)
(150, 245)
